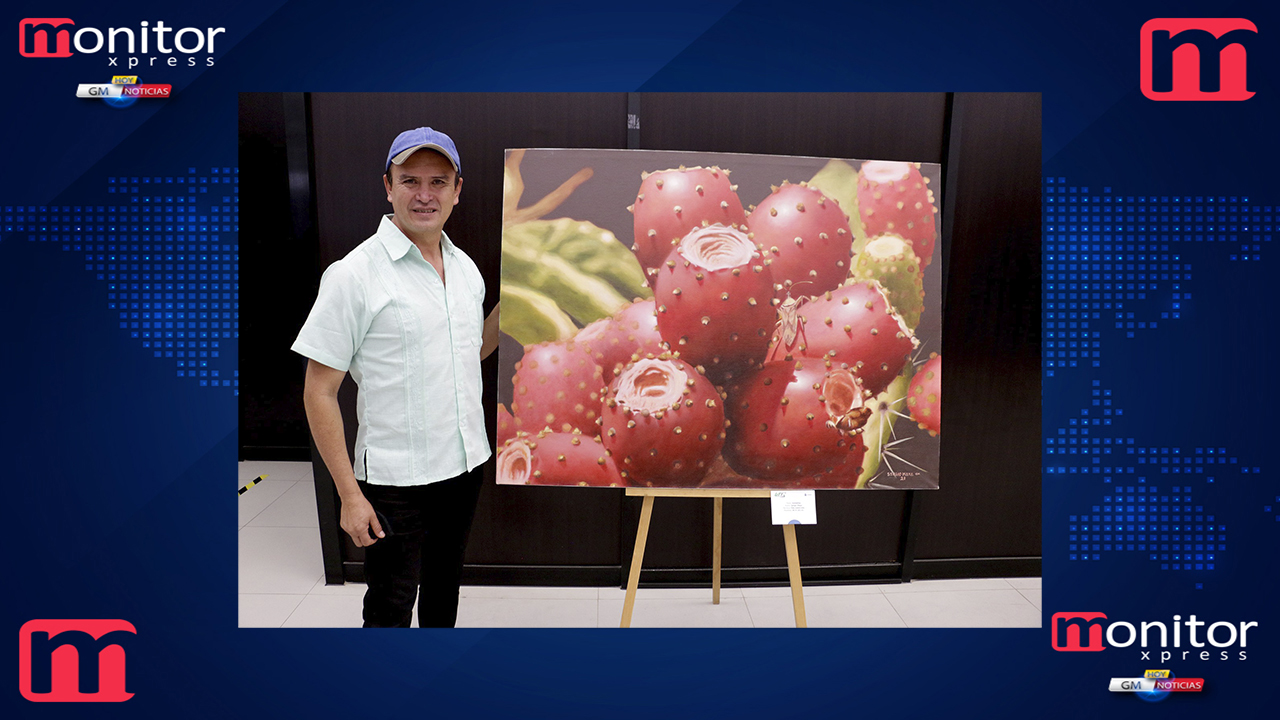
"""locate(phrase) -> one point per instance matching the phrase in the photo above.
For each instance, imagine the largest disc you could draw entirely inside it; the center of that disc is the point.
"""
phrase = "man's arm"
(489, 336)
(320, 396)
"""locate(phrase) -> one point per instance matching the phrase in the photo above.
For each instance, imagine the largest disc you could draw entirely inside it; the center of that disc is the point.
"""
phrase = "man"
(402, 313)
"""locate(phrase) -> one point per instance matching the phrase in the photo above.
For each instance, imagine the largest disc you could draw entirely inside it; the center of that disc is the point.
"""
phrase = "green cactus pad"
(890, 260)
(531, 317)
(878, 431)
(589, 249)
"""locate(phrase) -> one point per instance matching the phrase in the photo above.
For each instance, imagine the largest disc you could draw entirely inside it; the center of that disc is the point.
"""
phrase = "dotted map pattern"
(1118, 267)
(167, 252)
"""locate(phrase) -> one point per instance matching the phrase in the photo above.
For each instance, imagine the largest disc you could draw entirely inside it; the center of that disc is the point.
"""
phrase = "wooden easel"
(642, 533)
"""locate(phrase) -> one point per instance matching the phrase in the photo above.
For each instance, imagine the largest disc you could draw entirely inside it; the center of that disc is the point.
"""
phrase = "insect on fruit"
(789, 325)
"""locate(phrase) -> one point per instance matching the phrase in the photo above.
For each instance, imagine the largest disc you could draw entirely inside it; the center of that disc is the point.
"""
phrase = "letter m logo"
(74, 660)
(1077, 632)
(1196, 58)
(40, 37)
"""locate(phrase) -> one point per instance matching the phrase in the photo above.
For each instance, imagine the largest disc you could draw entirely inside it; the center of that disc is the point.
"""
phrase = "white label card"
(794, 507)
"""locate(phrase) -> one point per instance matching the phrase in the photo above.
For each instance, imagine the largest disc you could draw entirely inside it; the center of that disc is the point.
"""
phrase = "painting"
(713, 320)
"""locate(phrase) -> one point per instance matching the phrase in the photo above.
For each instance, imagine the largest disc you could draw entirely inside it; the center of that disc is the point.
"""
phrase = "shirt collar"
(397, 243)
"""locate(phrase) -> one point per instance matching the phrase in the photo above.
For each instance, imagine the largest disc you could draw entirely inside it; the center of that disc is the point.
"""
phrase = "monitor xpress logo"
(1196, 58)
(1084, 632)
(74, 660)
(146, 45)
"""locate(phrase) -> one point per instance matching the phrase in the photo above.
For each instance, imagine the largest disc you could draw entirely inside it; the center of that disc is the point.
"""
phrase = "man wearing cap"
(402, 313)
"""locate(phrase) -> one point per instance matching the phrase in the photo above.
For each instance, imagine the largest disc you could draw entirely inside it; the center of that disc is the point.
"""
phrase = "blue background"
(118, 458)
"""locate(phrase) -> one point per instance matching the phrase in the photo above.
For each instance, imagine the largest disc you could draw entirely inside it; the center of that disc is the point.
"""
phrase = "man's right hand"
(358, 518)
(320, 397)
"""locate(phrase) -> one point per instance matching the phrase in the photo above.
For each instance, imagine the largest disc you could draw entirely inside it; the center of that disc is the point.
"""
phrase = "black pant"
(429, 527)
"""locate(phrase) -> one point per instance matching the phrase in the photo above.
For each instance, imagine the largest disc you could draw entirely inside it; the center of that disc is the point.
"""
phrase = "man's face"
(422, 192)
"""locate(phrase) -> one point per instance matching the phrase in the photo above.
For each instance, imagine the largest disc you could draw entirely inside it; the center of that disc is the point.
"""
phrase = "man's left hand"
(489, 336)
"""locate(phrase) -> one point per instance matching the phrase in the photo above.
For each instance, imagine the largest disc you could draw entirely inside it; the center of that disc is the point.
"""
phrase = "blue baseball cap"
(411, 141)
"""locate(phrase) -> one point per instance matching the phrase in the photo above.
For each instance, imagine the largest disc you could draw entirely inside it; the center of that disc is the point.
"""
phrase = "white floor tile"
(966, 608)
(816, 590)
(279, 560)
(351, 588)
(328, 611)
(757, 592)
(619, 594)
(785, 590)
(295, 508)
(526, 612)
(275, 471)
(266, 611)
(925, 586)
(771, 611)
(257, 498)
(675, 612)
(1024, 582)
(851, 611)
(848, 610)
(306, 473)
(525, 592)
(491, 606)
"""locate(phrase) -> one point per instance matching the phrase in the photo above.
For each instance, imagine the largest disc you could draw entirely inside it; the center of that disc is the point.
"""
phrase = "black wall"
(279, 273)
(311, 190)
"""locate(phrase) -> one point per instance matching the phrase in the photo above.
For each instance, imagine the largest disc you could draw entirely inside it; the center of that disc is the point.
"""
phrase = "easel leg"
(633, 580)
(793, 570)
(715, 550)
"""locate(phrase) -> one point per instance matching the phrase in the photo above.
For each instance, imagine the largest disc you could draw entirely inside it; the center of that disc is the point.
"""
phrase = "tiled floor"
(282, 585)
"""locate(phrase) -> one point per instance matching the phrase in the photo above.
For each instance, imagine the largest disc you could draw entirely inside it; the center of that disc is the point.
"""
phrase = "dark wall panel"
(877, 126)
(278, 278)
(989, 501)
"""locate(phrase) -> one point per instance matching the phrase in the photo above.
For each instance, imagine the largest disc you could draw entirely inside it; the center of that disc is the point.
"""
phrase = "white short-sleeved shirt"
(412, 344)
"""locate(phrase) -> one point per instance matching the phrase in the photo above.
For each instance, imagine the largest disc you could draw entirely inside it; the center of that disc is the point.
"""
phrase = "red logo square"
(1196, 58)
(74, 660)
(42, 38)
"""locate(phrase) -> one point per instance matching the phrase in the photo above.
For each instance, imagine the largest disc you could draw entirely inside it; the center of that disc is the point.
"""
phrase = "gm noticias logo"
(74, 660)
(123, 91)
(1084, 632)
(1155, 685)
(1196, 58)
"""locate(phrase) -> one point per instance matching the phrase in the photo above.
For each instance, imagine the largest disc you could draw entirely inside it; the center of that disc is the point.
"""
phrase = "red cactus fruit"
(924, 395)
(895, 197)
(673, 202)
(854, 324)
(714, 298)
(663, 422)
(806, 235)
(631, 333)
(557, 385)
(799, 422)
(506, 425)
(557, 459)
